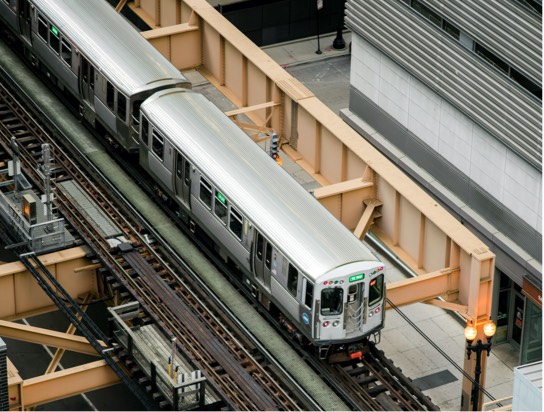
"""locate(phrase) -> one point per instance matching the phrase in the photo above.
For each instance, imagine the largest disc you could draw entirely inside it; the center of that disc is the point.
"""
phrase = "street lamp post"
(478, 348)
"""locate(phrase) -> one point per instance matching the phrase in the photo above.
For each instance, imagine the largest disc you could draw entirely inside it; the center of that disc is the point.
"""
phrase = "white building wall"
(467, 146)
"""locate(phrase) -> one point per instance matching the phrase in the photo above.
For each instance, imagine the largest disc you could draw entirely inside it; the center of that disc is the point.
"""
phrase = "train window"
(145, 130)
(292, 280)
(309, 296)
(54, 39)
(259, 247)
(42, 28)
(236, 222)
(221, 207)
(158, 144)
(122, 107)
(206, 192)
(268, 255)
(179, 166)
(331, 301)
(136, 111)
(66, 52)
(91, 76)
(187, 177)
(375, 291)
(110, 96)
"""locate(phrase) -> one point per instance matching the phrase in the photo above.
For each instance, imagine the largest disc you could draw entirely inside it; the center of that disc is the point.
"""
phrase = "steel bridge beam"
(68, 382)
(46, 337)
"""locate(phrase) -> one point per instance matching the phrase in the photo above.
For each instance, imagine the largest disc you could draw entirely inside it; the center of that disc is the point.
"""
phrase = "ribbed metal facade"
(497, 103)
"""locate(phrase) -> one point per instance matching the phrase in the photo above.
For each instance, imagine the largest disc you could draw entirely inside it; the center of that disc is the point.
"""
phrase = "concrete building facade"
(452, 93)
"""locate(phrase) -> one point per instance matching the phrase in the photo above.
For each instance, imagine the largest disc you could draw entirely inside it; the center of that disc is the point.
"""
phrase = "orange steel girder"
(68, 382)
(442, 283)
(46, 337)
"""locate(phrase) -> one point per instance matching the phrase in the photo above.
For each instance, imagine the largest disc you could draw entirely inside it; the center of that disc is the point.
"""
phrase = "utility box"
(527, 394)
(29, 209)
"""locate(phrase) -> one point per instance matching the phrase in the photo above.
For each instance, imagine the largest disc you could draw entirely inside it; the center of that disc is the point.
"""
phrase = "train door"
(86, 86)
(262, 260)
(24, 20)
(355, 307)
(183, 179)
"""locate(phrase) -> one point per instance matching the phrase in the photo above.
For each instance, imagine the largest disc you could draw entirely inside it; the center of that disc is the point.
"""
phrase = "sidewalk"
(297, 52)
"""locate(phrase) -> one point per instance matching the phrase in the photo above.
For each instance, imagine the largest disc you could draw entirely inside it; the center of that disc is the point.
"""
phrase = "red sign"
(532, 292)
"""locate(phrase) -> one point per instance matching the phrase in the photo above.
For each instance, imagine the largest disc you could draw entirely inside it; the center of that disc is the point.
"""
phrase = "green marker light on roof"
(54, 31)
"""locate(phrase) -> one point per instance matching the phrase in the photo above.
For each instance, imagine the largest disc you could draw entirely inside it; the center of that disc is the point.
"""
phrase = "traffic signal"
(274, 146)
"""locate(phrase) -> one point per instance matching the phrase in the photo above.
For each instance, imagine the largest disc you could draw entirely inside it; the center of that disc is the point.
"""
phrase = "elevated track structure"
(360, 186)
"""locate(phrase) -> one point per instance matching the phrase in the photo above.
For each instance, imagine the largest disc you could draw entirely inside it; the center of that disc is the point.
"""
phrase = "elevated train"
(302, 263)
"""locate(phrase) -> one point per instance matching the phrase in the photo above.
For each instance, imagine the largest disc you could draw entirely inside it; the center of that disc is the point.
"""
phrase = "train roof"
(295, 222)
(110, 43)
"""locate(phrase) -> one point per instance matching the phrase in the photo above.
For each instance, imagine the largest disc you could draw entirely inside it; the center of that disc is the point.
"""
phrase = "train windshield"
(332, 301)
(375, 292)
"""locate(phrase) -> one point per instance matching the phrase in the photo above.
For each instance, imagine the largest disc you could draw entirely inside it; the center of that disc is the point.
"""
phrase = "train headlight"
(336, 323)
(326, 323)
(370, 314)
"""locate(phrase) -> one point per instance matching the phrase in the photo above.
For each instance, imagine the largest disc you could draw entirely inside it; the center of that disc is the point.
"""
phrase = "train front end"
(349, 306)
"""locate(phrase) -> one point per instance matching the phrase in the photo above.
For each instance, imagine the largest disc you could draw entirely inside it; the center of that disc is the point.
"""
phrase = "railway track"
(237, 367)
(246, 378)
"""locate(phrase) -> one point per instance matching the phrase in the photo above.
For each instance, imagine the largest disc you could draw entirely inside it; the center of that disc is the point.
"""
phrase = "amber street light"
(470, 335)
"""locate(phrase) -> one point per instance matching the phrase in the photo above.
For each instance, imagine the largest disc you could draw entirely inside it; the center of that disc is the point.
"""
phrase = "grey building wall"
(444, 64)
(463, 129)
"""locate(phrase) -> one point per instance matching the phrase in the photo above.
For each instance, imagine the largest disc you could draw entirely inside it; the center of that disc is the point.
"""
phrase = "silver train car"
(93, 54)
(290, 249)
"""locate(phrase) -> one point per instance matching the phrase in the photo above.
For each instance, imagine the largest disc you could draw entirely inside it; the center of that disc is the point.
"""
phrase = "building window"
(531, 349)
(533, 5)
(491, 58)
(427, 13)
(451, 29)
(503, 309)
(526, 83)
